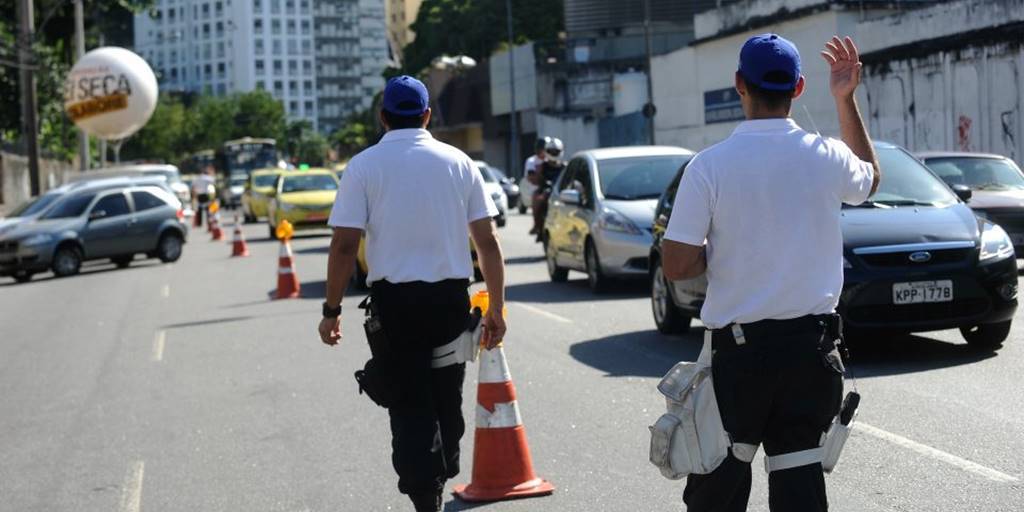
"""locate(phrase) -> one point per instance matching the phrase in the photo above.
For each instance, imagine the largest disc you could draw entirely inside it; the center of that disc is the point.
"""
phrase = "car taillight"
(180, 214)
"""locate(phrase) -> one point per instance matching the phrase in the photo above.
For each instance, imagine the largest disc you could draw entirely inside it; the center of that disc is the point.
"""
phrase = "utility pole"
(29, 126)
(83, 138)
(649, 109)
(513, 129)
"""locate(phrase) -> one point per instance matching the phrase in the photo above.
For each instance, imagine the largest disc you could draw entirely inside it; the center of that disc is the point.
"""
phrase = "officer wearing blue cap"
(759, 213)
(417, 200)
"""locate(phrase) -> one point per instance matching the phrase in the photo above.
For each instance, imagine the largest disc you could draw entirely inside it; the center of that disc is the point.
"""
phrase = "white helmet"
(553, 147)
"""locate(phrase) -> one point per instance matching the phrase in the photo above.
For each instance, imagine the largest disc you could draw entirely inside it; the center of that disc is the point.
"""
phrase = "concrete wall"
(14, 178)
(577, 133)
(681, 78)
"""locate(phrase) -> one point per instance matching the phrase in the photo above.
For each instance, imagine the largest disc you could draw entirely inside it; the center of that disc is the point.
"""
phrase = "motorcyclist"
(544, 177)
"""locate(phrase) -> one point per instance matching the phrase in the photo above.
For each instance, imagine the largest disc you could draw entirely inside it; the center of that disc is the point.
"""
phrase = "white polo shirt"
(531, 165)
(415, 197)
(767, 200)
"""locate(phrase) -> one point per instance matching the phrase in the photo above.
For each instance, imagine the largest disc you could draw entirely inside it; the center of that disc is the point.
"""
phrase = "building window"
(305, 27)
(293, 87)
(293, 107)
(220, 70)
(293, 67)
(275, 6)
(307, 47)
(220, 49)
(275, 27)
(293, 47)
(278, 68)
(220, 29)
(206, 11)
(260, 85)
(257, 5)
(307, 87)
(206, 30)
(307, 67)
(221, 89)
(277, 47)
(218, 9)
(259, 67)
(304, 6)
(278, 88)
(259, 47)
(207, 71)
(309, 107)
(257, 26)
(291, 27)
(289, 6)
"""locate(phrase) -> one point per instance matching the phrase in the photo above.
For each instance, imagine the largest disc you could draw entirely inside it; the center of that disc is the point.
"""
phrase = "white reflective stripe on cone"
(286, 251)
(284, 270)
(493, 368)
(505, 415)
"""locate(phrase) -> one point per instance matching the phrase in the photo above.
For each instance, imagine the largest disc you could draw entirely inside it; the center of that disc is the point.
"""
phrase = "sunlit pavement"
(184, 387)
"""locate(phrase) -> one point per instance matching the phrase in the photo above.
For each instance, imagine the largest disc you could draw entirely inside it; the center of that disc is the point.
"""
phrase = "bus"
(242, 156)
(196, 162)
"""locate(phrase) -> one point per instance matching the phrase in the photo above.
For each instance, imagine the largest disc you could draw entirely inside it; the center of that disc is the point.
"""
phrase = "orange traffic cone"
(238, 245)
(287, 281)
(215, 231)
(502, 466)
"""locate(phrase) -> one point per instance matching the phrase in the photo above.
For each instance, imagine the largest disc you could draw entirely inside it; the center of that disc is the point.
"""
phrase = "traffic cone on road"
(215, 232)
(502, 466)
(287, 280)
(238, 245)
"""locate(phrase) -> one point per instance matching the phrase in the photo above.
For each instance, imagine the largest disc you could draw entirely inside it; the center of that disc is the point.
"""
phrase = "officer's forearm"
(491, 260)
(855, 135)
(682, 261)
(341, 261)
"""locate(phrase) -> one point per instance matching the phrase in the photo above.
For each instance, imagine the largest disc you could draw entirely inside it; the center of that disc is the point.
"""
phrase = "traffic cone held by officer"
(418, 275)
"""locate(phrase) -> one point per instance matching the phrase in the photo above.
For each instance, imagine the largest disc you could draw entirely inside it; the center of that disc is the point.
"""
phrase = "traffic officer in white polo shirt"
(417, 200)
(759, 212)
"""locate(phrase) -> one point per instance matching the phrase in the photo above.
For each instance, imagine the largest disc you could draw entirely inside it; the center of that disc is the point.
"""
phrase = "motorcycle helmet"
(553, 147)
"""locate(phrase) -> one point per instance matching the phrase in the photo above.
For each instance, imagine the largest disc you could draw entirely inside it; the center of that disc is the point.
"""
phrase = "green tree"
(477, 28)
(356, 134)
(312, 149)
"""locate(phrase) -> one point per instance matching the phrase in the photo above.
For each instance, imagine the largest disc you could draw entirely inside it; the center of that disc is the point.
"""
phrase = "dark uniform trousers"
(775, 390)
(427, 422)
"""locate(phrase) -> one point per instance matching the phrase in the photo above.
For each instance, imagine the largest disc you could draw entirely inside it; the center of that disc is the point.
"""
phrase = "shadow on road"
(311, 290)
(320, 249)
(88, 268)
(198, 323)
(523, 260)
(652, 354)
(638, 353)
(574, 291)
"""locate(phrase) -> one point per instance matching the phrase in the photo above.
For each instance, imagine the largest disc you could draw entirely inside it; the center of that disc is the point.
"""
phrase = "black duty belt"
(768, 331)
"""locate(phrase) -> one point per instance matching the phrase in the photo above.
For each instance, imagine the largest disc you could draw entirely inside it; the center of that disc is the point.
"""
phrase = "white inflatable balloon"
(110, 93)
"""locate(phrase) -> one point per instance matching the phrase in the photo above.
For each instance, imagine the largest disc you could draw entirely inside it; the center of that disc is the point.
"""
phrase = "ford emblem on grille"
(921, 257)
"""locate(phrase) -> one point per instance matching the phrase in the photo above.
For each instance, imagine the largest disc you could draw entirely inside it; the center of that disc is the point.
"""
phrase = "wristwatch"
(330, 312)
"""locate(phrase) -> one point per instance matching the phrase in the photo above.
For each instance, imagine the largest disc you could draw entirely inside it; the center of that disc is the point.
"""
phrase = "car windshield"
(642, 177)
(264, 180)
(487, 174)
(36, 206)
(308, 182)
(906, 182)
(978, 173)
(72, 206)
(238, 181)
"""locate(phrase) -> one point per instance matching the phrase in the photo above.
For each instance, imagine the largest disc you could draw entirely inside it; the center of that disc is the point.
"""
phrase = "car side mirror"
(963, 192)
(570, 196)
(97, 214)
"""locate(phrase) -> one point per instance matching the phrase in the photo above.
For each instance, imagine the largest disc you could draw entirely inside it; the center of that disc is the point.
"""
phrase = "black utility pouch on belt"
(376, 379)
(831, 345)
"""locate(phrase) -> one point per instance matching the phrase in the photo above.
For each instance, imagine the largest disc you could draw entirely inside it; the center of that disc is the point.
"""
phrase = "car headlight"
(40, 239)
(513, 189)
(611, 220)
(995, 243)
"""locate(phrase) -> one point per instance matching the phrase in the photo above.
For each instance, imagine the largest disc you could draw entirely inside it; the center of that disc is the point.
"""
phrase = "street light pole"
(29, 125)
(649, 109)
(83, 138)
(513, 142)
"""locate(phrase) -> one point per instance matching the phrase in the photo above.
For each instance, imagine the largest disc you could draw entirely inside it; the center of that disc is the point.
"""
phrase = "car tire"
(522, 209)
(67, 261)
(22, 277)
(501, 221)
(168, 249)
(556, 273)
(272, 231)
(986, 336)
(667, 316)
(595, 277)
(123, 261)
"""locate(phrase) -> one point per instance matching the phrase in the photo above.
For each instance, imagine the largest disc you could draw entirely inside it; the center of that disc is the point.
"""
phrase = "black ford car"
(916, 259)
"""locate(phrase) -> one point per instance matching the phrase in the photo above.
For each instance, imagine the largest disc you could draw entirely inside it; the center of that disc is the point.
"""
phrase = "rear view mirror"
(97, 214)
(570, 196)
(963, 192)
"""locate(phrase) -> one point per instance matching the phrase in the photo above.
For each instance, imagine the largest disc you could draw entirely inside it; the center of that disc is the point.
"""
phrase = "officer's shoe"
(427, 502)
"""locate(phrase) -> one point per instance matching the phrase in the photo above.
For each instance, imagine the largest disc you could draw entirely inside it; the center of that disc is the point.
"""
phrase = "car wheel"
(67, 261)
(522, 208)
(501, 221)
(22, 277)
(123, 261)
(667, 317)
(272, 231)
(558, 274)
(168, 249)
(595, 278)
(986, 336)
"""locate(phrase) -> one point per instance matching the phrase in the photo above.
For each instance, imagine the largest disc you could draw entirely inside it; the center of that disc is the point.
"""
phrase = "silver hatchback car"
(601, 211)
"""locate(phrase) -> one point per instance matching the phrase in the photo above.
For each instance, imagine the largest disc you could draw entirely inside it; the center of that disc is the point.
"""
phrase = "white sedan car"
(492, 185)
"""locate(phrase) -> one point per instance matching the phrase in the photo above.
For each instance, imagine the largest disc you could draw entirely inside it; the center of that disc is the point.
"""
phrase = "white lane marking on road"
(165, 291)
(131, 491)
(158, 345)
(541, 312)
(935, 453)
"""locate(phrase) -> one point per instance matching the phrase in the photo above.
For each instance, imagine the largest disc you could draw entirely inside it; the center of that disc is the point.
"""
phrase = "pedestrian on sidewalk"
(417, 200)
(759, 212)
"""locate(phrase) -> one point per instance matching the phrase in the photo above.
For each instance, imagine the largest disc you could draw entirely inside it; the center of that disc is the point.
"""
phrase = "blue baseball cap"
(770, 61)
(406, 96)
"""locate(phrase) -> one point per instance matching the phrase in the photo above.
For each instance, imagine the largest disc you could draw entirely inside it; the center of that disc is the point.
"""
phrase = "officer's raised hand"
(844, 60)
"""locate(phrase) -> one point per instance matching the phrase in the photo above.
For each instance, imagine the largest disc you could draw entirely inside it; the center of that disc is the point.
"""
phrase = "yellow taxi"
(257, 193)
(304, 198)
(363, 268)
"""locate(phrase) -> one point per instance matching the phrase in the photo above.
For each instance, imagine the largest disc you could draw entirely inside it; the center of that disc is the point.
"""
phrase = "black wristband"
(330, 312)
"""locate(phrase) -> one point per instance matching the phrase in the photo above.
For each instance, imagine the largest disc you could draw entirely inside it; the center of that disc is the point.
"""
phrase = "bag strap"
(704, 359)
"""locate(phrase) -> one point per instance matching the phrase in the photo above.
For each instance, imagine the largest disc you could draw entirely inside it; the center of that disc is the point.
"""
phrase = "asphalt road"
(184, 388)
